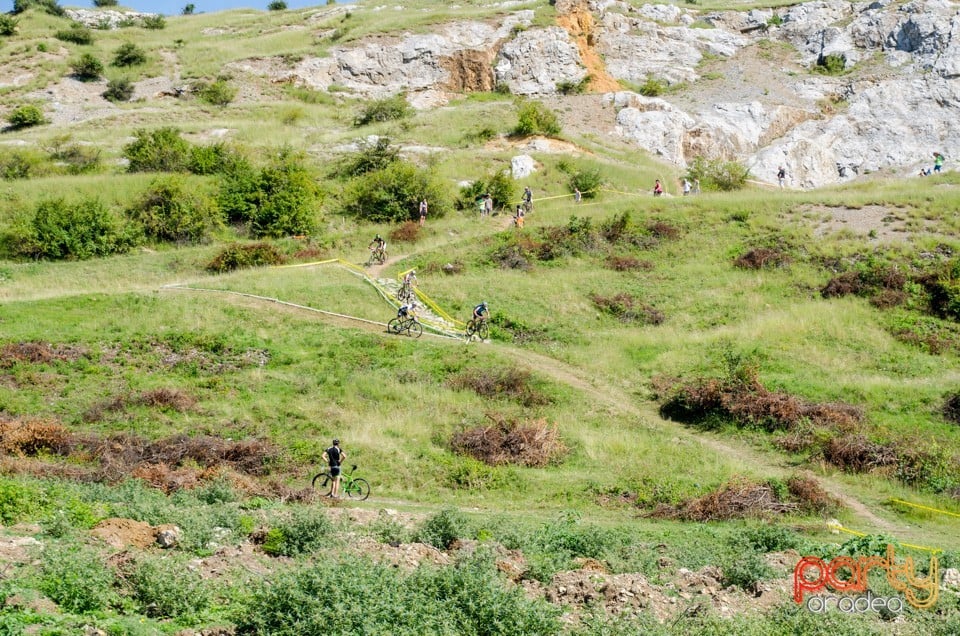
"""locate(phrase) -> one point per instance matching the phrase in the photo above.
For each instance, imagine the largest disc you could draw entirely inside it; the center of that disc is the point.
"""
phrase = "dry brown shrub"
(29, 437)
(628, 308)
(951, 408)
(844, 285)
(627, 264)
(737, 499)
(761, 257)
(663, 230)
(856, 453)
(406, 232)
(37, 353)
(170, 399)
(811, 495)
(308, 254)
(163, 477)
(889, 298)
(533, 443)
(510, 382)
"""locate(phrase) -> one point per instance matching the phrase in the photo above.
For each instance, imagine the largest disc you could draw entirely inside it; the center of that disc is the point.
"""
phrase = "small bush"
(588, 181)
(370, 157)
(26, 116)
(951, 408)
(8, 24)
(129, 54)
(761, 258)
(160, 150)
(534, 443)
(392, 195)
(21, 164)
(510, 382)
(277, 5)
(18, 501)
(169, 211)
(628, 308)
(717, 174)
(387, 109)
(61, 230)
(217, 93)
(119, 90)
(76, 35)
(747, 571)
(76, 579)
(832, 64)
(534, 118)
(47, 6)
(210, 159)
(106, 3)
(386, 529)
(627, 264)
(568, 87)
(652, 87)
(500, 185)
(766, 538)
(88, 68)
(168, 588)
(239, 256)
(154, 22)
(443, 528)
(303, 533)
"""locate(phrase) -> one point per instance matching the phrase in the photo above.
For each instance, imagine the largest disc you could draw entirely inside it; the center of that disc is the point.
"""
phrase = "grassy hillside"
(667, 343)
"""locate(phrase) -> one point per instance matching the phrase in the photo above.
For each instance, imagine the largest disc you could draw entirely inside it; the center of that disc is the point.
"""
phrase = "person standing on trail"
(487, 204)
(686, 187)
(781, 175)
(334, 456)
(423, 211)
(518, 219)
(937, 162)
(528, 199)
(577, 195)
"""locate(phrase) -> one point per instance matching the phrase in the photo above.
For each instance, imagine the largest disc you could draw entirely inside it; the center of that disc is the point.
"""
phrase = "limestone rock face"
(522, 166)
(537, 60)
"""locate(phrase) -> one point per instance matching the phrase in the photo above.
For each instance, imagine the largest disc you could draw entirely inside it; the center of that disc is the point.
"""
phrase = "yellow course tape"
(907, 503)
(837, 526)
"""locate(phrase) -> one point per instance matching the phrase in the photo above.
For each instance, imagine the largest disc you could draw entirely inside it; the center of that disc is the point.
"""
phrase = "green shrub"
(159, 150)
(88, 68)
(238, 191)
(717, 174)
(832, 64)
(19, 501)
(746, 571)
(154, 22)
(76, 579)
(76, 34)
(277, 5)
(766, 538)
(239, 256)
(287, 196)
(188, 9)
(170, 211)
(573, 88)
(387, 109)
(370, 156)
(588, 181)
(534, 118)
(119, 90)
(386, 529)
(443, 528)
(47, 6)
(8, 24)
(61, 230)
(215, 158)
(652, 87)
(20, 164)
(26, 116)
(500, 186)
(217, 93)
(502, 88)
(129, 54)
(392, 195)
(79, 159)
(106, 3)
(168, 588)
(306, 531)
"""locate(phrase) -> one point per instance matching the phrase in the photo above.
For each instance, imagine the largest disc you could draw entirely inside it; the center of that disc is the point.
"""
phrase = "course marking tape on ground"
(922, 507)
(837, 526)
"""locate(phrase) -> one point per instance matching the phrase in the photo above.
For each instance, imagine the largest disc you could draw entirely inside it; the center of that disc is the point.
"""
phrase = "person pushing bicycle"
(334, 456)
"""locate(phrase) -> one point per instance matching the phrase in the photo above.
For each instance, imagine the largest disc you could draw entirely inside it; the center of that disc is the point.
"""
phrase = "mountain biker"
(378, 245)
(334, 456)
(410, 278)
(480, 312)
(528, 199)
(407, 310)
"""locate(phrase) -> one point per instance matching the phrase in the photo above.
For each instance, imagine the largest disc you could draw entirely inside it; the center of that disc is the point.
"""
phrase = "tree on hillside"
(393, 194)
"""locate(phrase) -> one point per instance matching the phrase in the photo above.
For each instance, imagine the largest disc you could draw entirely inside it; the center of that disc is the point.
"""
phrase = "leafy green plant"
(775, 20)
(287, 194)
(106, 3)
(81, 230)
(831, 64)
(159, 150)
(217, 93)
(169, 211)
(587, 181)
(79, 159)
(168, 588)
(392, 194)
(8, 24)
(155, 22)
(535, 118)
(218, 158)
(370, 157)
(717, 174)
(746, 571)
(26, 116)
(129, 54)
(443, 528)
(76, 579)
(500, 185)
(568, 87)
(652, 87)
(76, 34)
(188, 9)
(47, 6)
(18, 501)
(88, 68)
(277, 5)
(21, 164)
(307, 530)
(386, 529)
(239, 256)
(387, 109)
(119, 90)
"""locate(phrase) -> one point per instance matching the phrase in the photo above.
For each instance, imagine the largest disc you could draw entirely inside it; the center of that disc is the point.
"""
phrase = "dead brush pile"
(37, 353)
(855, 453)
(811, 496)
(738, 499)
(23, 438)
(406, 232)
(627, 264)
(512, 383)
(951, 408)
(760, 258)
(628, 308)
(533, 443)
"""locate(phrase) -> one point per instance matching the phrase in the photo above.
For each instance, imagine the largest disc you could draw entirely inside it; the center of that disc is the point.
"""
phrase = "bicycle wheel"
(394, 326)
(471, 329)
(322, 481)
(482, 331)
(358, 489)
(415, 329)
(380, 257)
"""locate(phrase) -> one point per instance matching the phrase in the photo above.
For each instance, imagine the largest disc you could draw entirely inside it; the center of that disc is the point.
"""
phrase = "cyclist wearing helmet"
(378, 245)
(407, 310)
(334, 456)
(480, 312)
(410, 278)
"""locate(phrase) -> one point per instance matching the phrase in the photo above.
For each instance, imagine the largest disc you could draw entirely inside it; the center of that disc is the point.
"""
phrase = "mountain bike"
(353, 487)
(406, 293)
(478, 327)
(408, 325)
(377, 255)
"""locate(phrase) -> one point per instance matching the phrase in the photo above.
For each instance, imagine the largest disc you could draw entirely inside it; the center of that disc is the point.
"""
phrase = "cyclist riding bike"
(410, 279)
(480, 312)
(378, 246)
(407, 311)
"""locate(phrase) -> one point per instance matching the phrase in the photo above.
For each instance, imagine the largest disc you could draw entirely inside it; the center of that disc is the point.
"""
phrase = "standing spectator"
(423, 211)
(657, 188)
(518, 219)
(528, 199)
(937, 162)
(686, 186)
(576, 195)
(488, 204)
(781, 175)
(482, 204)
(334, 456)
(696, 186)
